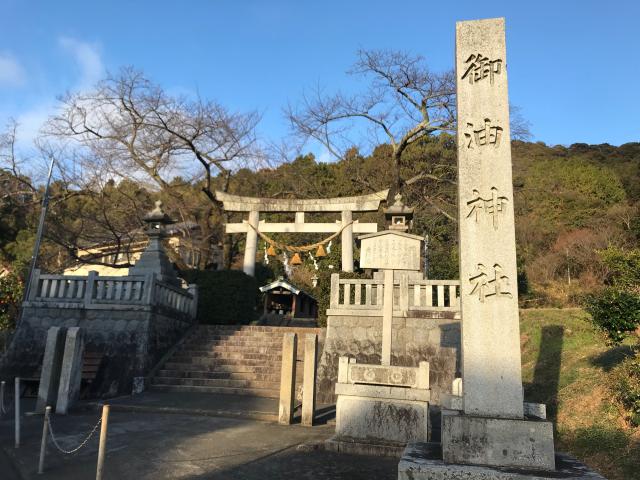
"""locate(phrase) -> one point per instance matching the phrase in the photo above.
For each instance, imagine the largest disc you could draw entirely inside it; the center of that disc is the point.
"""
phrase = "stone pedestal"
(51, 365)
(382, 404)
(497, 441)
(71, 371)
(423, 461)
(381, 414)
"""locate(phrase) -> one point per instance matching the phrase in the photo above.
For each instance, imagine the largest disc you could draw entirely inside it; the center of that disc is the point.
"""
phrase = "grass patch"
(567, 364)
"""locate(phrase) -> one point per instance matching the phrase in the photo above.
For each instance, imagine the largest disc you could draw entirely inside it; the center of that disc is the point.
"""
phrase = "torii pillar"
(251, 245)
(347, 241)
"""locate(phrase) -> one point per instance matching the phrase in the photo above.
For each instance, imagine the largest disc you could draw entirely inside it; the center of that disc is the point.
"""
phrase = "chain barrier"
(84, 442)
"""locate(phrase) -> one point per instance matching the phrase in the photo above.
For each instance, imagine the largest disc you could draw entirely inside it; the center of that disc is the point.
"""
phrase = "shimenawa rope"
(301, 249)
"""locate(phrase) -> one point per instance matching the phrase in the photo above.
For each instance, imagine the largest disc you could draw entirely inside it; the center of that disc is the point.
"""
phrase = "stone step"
(216, 382)
(268, 337)
(234, 351)
(227, 356)
(229, 351)
(271, 338)
(255, 392)
(229, 359)
(264, 377)
(214, 352)
(233, 341)
(238, 367)
(225, 371)
(258, 328)
(244, 333)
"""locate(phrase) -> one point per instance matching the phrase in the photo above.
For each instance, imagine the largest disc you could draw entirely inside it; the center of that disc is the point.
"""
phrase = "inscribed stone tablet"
(390, 250)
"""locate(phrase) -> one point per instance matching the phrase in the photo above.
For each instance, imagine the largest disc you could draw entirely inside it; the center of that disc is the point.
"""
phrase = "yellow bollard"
(103, 441)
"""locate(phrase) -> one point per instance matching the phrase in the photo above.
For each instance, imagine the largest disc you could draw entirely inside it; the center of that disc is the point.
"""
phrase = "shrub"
(625, 383)
(322, 292)
(224, 296)
(623, 267)
(10, 297)
(615, 311)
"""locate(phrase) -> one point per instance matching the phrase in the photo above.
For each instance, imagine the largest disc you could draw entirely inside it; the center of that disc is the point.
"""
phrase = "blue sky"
(573, 65)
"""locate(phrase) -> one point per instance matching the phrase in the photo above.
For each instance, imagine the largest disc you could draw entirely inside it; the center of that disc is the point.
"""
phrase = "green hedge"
(322, 293)
(11, 288)
(615, 311)
(225, 296)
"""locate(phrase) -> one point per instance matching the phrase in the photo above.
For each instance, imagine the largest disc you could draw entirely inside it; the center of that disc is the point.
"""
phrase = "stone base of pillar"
(500, 442)
(423, 461)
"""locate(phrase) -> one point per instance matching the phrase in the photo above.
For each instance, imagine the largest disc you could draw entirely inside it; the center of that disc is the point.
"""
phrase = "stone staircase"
(231, 359)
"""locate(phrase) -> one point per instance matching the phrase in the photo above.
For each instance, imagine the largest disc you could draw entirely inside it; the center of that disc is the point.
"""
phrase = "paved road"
(175, 446)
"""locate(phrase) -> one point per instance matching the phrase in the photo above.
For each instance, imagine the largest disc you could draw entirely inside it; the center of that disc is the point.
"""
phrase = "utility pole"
(36, 246)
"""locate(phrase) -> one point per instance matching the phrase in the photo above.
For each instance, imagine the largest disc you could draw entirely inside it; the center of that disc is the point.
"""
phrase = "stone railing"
(95, 291)
(365, 297)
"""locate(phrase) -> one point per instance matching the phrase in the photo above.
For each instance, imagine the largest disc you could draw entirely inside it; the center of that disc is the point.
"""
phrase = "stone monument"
(51, 365)
(154, 259)
(71, 370)
(485, 433)
(491, 429)
(384, 405)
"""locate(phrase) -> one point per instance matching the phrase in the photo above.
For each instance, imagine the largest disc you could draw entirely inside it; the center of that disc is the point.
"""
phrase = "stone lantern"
(154, 259)
(399, 216)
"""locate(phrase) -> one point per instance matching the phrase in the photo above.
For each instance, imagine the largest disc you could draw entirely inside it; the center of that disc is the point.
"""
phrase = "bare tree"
(15, 181)
(128, 127)
(519, 126)
(403, 101)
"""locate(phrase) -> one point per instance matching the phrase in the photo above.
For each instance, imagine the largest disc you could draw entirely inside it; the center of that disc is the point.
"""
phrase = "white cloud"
(11, 72)
(89, 63)
(88, 59)
(326, 157)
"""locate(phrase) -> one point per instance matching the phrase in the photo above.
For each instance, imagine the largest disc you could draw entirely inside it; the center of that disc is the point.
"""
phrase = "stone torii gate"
(345, 205)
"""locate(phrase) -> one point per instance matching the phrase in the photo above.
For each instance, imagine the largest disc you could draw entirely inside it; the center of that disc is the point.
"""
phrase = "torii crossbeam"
(345, 205)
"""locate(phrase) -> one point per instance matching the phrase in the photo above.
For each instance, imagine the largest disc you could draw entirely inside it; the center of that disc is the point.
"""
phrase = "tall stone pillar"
(489, 430)
(387, 317)
(489, 297)
(71, 371)
(286, 405)
(51, 365)
(347, 241)
(309, 379)
(251, 247)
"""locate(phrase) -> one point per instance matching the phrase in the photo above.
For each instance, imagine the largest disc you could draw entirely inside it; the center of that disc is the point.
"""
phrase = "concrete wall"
(131, 339)
(431, 339)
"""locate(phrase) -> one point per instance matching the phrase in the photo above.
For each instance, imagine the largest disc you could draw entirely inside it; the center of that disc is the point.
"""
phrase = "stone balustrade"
(95, 291)
(365, 296)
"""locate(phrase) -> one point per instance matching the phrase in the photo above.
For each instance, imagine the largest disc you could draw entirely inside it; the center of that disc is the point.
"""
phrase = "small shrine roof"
(282, 283)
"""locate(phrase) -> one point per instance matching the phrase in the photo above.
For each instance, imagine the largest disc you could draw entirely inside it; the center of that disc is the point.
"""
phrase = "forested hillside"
(571, 202)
